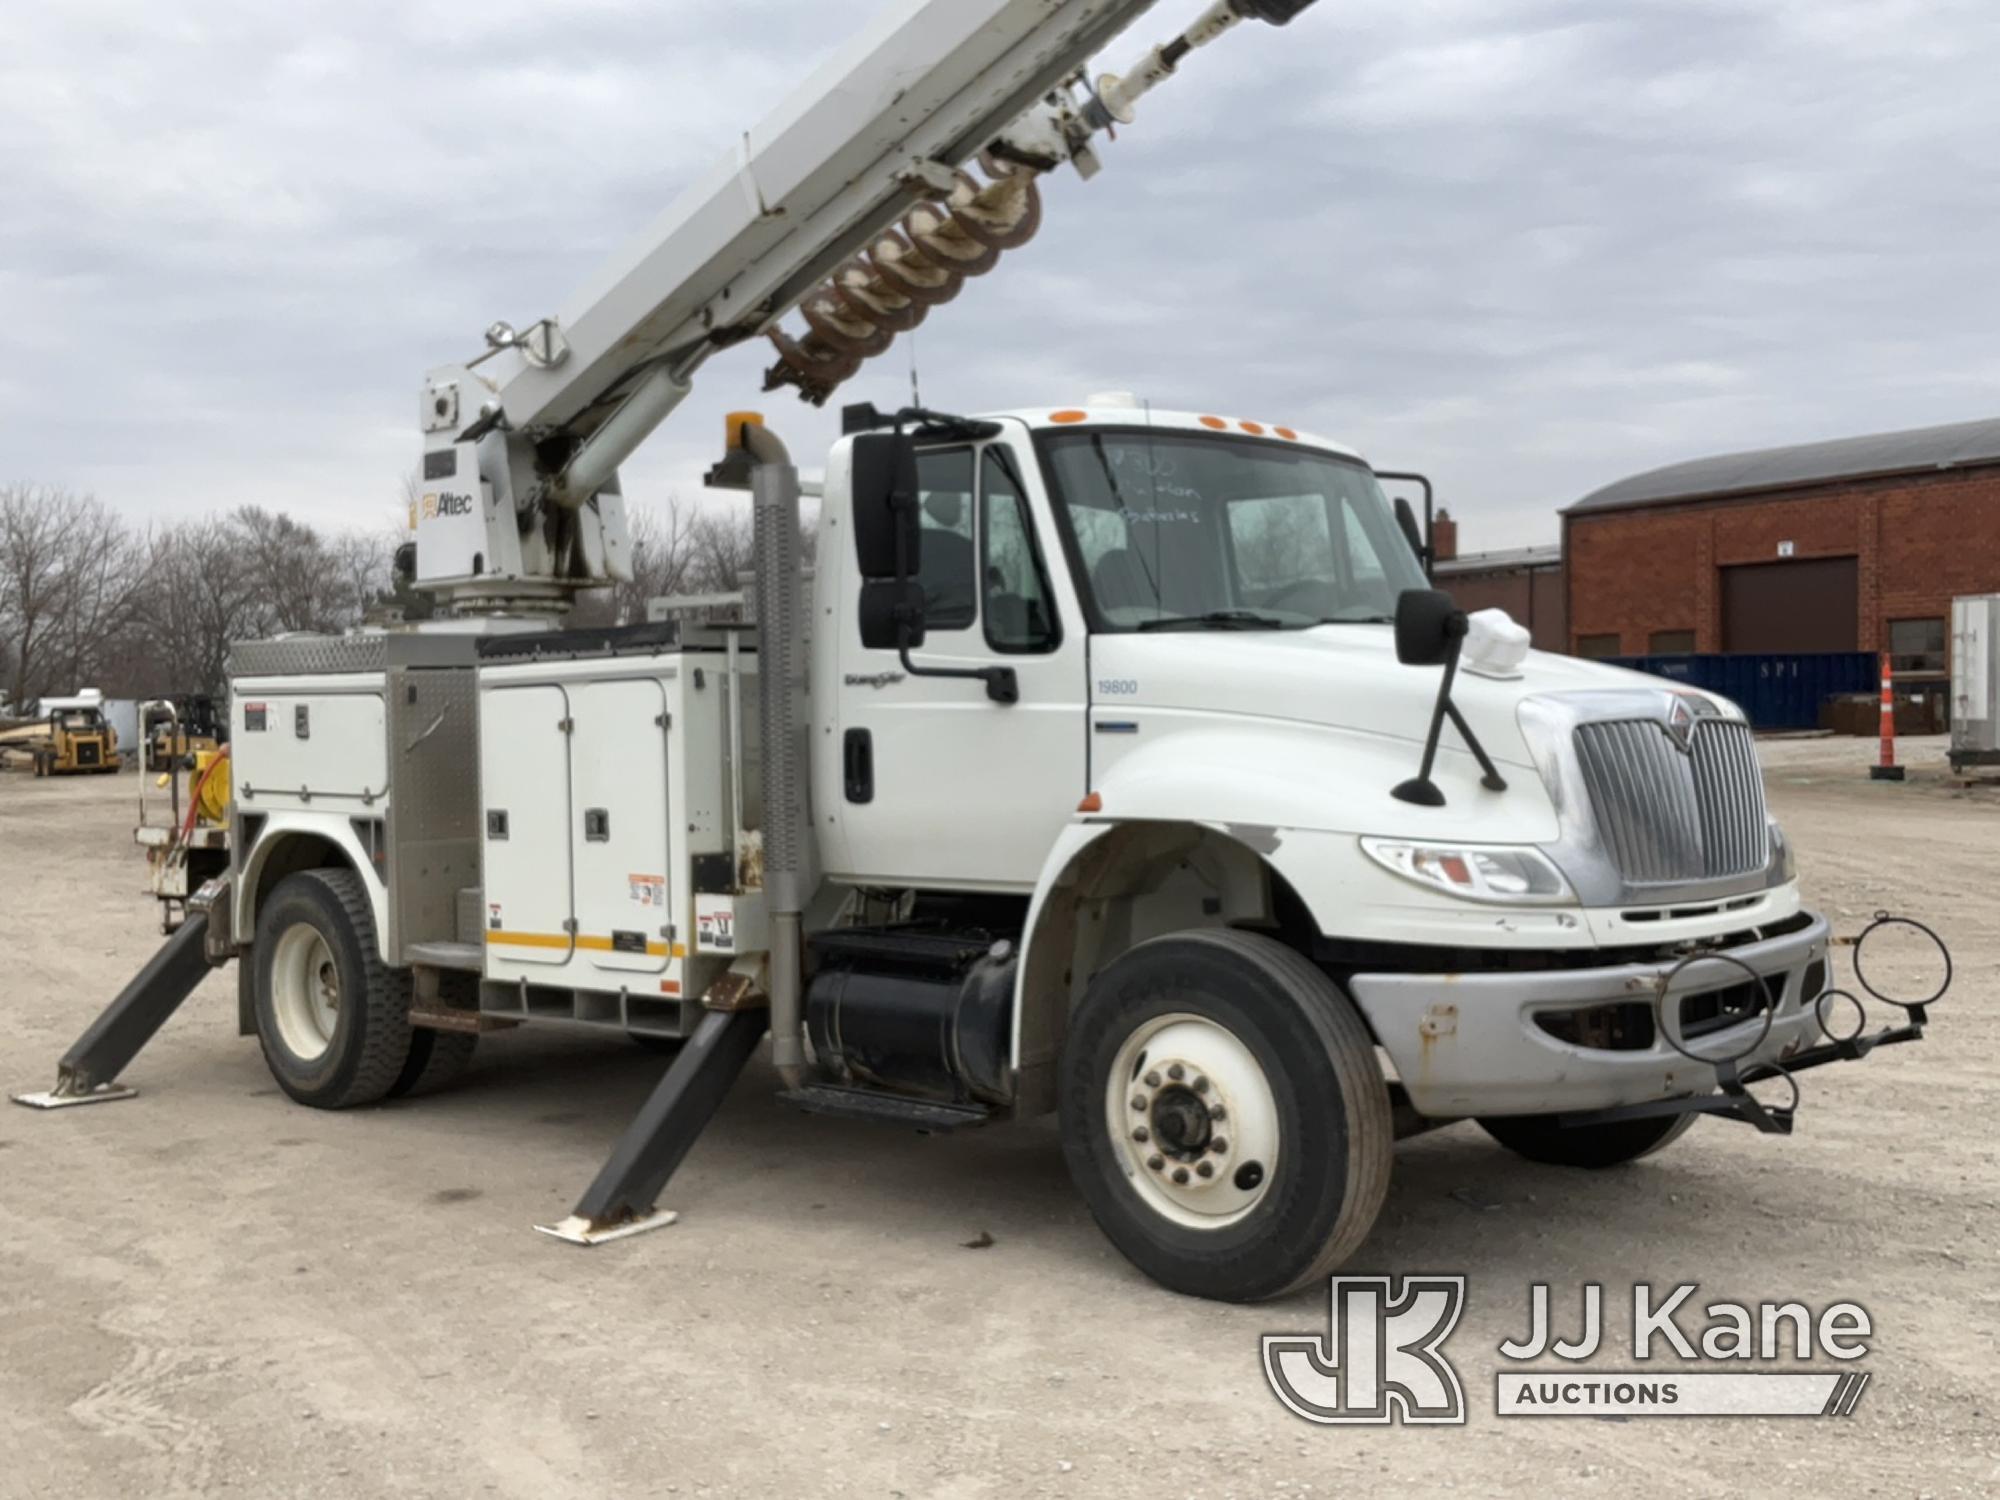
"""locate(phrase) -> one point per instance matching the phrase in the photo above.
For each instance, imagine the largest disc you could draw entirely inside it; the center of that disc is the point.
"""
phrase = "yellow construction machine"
(74, 739)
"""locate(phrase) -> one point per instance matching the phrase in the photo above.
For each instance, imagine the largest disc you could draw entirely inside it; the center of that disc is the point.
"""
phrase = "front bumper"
(1470, 1044)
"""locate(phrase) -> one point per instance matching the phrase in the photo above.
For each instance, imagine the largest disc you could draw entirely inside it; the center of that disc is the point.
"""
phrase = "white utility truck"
(1117, 763)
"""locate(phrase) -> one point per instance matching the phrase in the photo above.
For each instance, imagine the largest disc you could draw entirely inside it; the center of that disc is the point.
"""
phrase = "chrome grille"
(1669, 816)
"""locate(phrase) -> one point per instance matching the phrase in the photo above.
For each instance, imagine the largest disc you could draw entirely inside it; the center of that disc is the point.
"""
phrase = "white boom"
(858, 176)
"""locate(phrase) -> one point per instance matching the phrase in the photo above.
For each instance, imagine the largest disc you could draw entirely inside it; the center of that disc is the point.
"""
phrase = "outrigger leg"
(86, 1072)
(624, 1198)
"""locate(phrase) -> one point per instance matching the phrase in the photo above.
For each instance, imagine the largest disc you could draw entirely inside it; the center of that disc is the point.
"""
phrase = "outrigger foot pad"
(87, 1071)
(62, 1096)
(581, 1231)
(625, 1196)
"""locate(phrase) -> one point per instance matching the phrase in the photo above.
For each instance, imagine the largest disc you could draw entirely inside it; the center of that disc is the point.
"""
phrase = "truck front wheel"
(333, 1019)
(1540, 1138)
(1224, 1116)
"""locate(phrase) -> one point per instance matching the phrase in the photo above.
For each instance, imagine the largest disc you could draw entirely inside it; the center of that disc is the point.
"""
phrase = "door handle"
(858, 764)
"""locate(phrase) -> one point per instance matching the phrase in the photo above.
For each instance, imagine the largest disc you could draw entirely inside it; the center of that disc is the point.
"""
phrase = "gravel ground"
(209, 1290)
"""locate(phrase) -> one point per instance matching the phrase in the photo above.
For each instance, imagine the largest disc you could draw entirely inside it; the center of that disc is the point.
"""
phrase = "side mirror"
(1427, 625)
(883, 494)
(891, 612)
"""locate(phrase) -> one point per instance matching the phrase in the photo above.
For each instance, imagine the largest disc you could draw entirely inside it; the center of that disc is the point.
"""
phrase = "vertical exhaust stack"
(780, 621)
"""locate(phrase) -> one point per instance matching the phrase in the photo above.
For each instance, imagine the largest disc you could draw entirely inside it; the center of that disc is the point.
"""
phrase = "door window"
(1015, 590)
(945, 566)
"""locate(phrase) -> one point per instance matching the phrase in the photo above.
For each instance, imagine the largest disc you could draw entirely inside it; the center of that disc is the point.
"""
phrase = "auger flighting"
(962, 229)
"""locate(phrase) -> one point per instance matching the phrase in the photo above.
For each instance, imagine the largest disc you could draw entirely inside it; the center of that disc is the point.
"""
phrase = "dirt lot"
(211, 1290)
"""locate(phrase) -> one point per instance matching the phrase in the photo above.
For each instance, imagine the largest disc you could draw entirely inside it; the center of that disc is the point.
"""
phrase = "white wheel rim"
(305, 992)
(1185, 1093)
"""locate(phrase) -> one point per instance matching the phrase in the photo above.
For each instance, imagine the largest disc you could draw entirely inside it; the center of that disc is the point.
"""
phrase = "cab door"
(941, 785)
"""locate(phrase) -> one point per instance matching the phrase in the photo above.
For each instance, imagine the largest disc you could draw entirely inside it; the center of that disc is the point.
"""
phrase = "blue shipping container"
(1782, 690)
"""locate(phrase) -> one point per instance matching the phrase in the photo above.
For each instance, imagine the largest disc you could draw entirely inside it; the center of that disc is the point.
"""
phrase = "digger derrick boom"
(853, 197)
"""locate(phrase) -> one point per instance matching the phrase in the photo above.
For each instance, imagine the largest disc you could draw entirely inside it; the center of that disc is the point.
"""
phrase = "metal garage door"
(1808, 605)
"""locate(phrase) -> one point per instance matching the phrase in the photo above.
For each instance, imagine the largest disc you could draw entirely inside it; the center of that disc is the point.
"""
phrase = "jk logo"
(1378, 1361)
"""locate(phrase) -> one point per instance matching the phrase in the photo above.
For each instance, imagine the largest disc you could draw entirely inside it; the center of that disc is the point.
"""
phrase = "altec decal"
(446, 503)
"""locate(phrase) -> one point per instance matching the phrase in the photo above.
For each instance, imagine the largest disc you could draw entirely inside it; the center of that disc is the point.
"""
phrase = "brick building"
(1525, 581)
(1854, 545)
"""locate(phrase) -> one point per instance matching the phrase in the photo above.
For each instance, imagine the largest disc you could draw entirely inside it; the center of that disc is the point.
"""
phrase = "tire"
(333, 1019)
(1300, 1180)
(436, 1059)
(1540, 1138)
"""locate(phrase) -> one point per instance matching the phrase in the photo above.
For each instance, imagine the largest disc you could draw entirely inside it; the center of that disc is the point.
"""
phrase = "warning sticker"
(716, 929)
(647, 890)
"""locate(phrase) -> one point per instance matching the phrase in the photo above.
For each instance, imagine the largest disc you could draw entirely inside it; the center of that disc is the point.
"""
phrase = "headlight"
(1475, 872)
(1788, 864)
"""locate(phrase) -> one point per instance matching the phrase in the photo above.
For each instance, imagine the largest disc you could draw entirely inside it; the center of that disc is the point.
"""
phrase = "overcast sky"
(1529, 246)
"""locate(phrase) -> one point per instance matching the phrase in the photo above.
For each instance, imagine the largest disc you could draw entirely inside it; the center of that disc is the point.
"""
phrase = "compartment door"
(618, 826)
(524, 773)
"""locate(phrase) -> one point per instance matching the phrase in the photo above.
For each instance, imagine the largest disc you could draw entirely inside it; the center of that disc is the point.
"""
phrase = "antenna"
(916, 396)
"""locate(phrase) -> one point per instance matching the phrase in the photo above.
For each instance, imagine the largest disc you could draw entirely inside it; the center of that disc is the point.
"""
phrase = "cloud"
(1526, 245)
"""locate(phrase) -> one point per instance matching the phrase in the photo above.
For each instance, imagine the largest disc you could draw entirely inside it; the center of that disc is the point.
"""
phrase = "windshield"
(1181, 530)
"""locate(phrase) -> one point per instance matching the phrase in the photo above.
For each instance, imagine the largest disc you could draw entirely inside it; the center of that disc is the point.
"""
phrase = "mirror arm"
(1492, 780)
(1426, 546)
(1002, 686)
(1420, 789)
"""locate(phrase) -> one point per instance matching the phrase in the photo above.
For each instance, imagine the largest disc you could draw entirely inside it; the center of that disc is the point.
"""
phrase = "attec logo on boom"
(446, 503)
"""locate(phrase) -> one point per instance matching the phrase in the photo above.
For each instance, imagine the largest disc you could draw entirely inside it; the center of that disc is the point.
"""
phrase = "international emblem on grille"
(1680, 725)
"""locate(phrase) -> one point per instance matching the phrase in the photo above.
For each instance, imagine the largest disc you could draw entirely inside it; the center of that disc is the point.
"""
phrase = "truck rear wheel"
(333, 1019)
(1224, 1116)
(436, 1059)
(1540, 1138)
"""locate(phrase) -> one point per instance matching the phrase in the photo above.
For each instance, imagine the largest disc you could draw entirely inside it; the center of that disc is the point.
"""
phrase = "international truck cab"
(1114, 762)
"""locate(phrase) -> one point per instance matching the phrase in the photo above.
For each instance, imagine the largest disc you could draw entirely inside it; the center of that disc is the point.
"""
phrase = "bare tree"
(86, 600)
(68, 569)
(362, 562)
(201, 594)
(292, 576)
(723, 550)
(105, 570)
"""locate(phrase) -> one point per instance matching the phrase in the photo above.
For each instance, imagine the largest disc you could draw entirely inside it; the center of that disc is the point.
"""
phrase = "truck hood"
(1342, 677)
